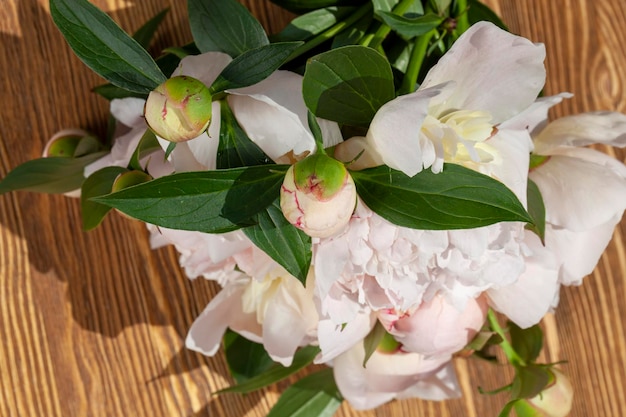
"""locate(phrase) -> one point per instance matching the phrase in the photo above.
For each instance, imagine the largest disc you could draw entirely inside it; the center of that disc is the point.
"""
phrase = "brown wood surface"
(93, 324)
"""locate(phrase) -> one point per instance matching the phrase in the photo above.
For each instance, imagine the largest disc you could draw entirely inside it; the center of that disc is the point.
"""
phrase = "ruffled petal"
(494, 71)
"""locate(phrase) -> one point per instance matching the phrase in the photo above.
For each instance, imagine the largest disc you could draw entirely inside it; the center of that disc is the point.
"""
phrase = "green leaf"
(146, 32)
(526, 342)
(148, 143)
(315, 395)
(236, 149)
(524, 409)
(411, 27)
(415, 8)
(99, 183)
(456, 198)
(87, 145)
(207, 201)
(348, 85)
(245, 358)
(354, 33)
(477, 12)
(104, 47)
(313, 23)
(529, 381)
(536, 209)
(302, 358)
(110, 92)
(372, 340)
(283, 242)
(55, 175)
(301, 6)
(253, 66)
(224, 25)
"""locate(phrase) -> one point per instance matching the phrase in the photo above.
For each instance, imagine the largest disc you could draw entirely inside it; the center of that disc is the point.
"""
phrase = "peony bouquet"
(376, 188)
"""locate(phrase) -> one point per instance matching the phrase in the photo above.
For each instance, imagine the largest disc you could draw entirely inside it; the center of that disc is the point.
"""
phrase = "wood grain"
(93, 324)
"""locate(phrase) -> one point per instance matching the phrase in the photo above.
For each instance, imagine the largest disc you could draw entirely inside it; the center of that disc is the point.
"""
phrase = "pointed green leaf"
(245, 358)
(315, 395)
(99, 183)
(302, 358)
(411, 27)
(284, 243)
(529, 381)
(477, 12)
(415, 8)
(236, 149)
(348, 85)
(372, 340)
(313, 23)
(224, 25)
(104, 47)
(526, 342)
(536, 209)
(55, 175)
(253, 66)
(456, 198)
(110, 92)
(208, 201)
(146, 32)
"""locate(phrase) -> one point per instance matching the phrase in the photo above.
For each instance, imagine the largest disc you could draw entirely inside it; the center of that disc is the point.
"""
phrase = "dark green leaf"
(477, 12)
(208, 201)
(301, 6)
(302, 358)
(224, 25)
(411, 27)
(456, 198)
(245, 359)
(99, 183)
(55, 175)
(529, 381)
(236, 149)
(315, 395)
(169, 61)
(372, 340)
(104, 47)
(354, 33)
(536, 209)
(348, 85)
(110, 92)
(148, 143)
(313, 23)
(526, 342)
(145, 33)
(253, 66)
(286, 244)
(415, 8)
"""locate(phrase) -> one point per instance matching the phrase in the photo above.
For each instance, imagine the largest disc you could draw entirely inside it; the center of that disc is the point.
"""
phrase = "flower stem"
(462, 21)
(415, 62)
(384, 29)
(510, 353)
(331, 32)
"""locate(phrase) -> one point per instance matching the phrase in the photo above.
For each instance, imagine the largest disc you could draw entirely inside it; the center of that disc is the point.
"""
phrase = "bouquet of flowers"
(369, 187)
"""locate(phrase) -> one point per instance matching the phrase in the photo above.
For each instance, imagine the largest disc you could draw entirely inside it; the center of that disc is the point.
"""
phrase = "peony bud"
(318, 196)
(556, 399)
(64, 143)
(179, 109)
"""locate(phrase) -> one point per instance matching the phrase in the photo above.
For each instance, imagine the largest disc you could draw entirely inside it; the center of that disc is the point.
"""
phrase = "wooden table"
(92, 324)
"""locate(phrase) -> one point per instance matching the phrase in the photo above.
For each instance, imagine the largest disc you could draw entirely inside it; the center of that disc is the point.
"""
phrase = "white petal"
(441, 385)
(204, 67)
(528, 299)
(494, 71)
(583, 129)
(335, 339)
(535, 117)
(395, 130)
(582, 188)
(129, 111)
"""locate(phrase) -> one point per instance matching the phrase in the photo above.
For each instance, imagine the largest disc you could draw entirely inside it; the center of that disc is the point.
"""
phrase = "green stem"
(384, 29)
(332, 31)
(418, 54)
(510, 353)
(462, 21)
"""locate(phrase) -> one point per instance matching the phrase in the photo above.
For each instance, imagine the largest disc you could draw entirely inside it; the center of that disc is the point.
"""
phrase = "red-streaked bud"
(179, 109)
(318, 196)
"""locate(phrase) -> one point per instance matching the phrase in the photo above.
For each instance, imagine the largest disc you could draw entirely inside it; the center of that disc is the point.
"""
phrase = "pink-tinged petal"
(582, 188)
(204, 67)
(528, 299)
(583, 129)
(205, 334)
(129, 111)
(579, 252)
(335, 339)
(204, 147)
(156, 165)
(395, 130)
(105, 161)
(535, 117)
(494, 71)
(441, 385)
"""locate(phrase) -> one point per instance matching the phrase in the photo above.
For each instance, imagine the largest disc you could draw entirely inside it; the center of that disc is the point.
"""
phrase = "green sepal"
(97, 184)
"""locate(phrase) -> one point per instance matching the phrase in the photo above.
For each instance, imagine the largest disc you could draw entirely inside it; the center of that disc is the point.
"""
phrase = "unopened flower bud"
(179, 109)
(64, 143)
(556, 399)
(318, 196)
